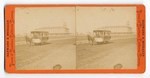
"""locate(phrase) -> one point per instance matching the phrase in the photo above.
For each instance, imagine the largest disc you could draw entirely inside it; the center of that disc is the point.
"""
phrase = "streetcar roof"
(101, 31)
(39, 32)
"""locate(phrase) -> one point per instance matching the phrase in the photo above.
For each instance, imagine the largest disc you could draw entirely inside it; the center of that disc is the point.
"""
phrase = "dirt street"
(83, 56)
(46, 56)
(106, 56)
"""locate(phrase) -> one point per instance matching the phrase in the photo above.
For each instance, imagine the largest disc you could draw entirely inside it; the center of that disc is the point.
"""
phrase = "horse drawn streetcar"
(102, 36)
(99, 36)
(38, 37)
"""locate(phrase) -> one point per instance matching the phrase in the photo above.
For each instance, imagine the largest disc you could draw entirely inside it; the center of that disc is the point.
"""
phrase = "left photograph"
(45, 38)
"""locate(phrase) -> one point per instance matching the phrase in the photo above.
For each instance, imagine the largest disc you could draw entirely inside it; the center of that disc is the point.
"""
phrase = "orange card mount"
(75, 38)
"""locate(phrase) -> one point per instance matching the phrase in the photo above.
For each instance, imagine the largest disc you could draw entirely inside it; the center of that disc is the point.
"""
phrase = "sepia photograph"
(45, 38)
(106, 37)
(75, 38)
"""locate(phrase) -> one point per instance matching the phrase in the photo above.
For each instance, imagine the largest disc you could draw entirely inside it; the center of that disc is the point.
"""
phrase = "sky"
(86, 18)
(95, 17)
(31, 18)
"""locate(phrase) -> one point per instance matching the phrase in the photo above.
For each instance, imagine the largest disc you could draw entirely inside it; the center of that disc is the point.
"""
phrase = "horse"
(91, 38)
(28, 39)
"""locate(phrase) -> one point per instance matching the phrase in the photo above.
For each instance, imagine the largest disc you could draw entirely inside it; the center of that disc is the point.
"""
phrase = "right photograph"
(106, 37)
